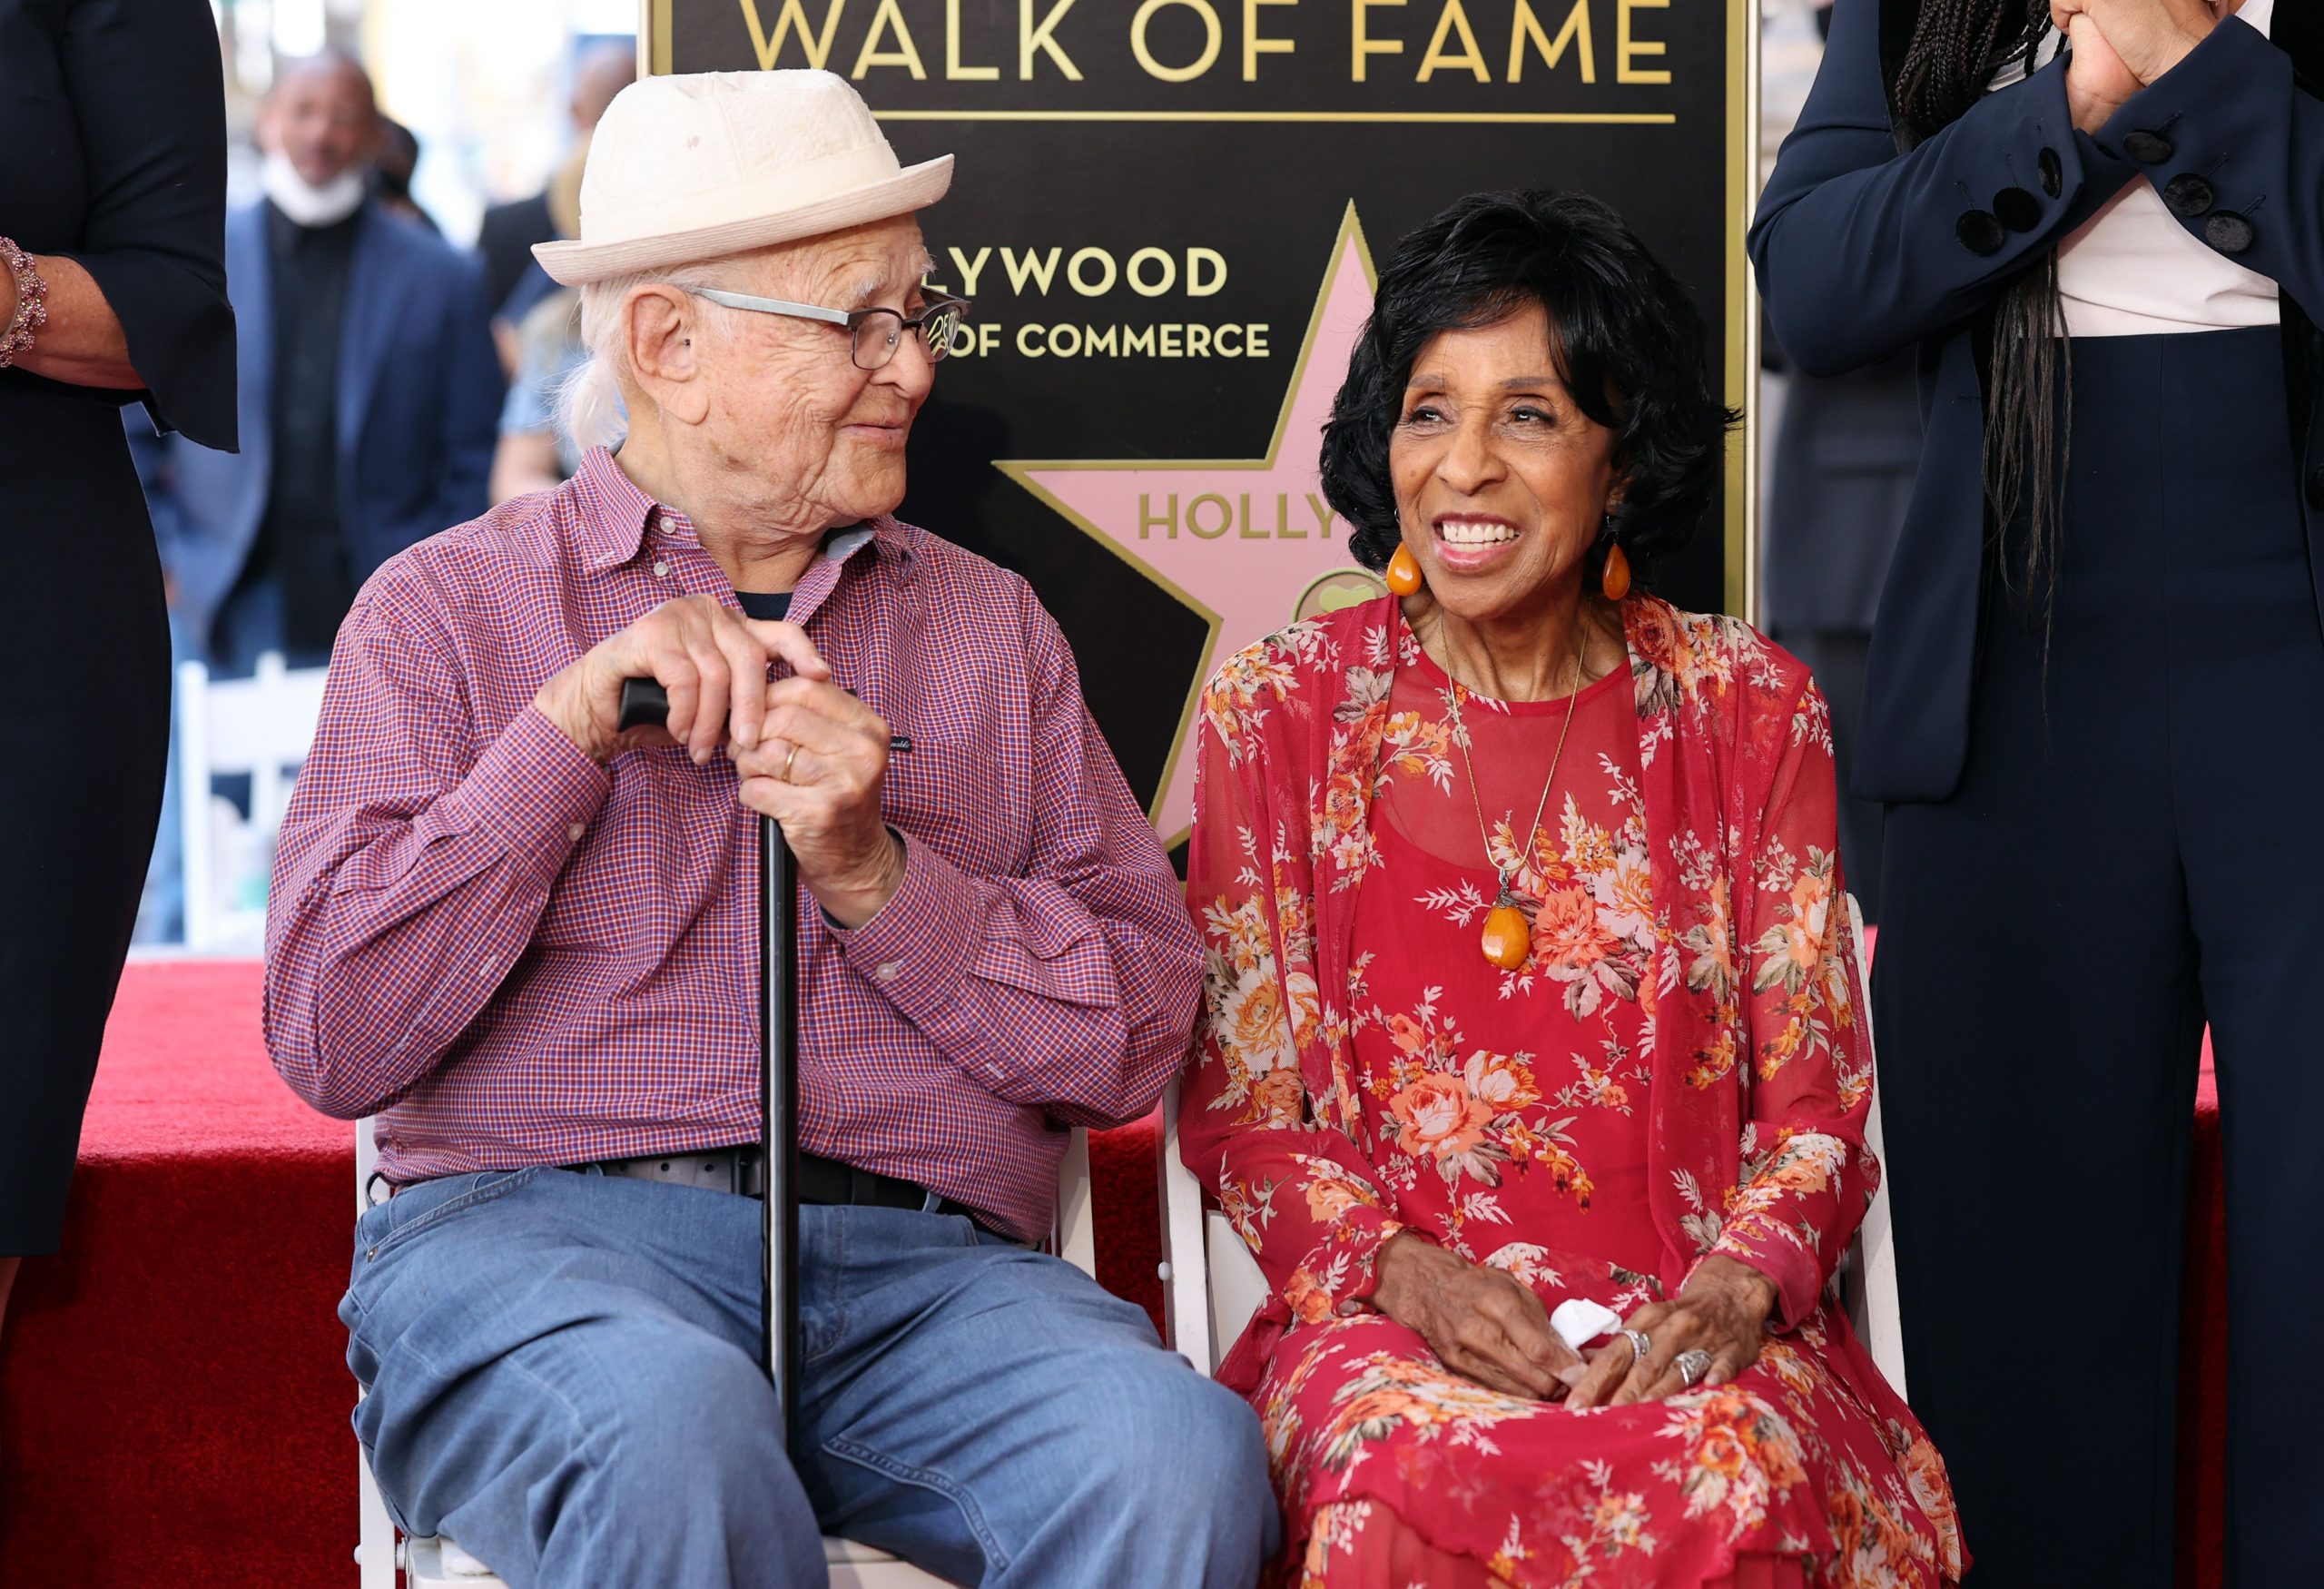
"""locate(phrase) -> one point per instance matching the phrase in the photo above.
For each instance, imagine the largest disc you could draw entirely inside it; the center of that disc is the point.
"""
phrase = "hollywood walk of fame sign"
(1156, 211)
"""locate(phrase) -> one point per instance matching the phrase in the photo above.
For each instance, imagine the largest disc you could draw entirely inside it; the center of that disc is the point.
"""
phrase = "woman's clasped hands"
(2121, 46)
(1719, 1317)
(1486, 1325)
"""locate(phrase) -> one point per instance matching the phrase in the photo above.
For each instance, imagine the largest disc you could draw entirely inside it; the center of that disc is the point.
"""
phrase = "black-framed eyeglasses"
(874, 334)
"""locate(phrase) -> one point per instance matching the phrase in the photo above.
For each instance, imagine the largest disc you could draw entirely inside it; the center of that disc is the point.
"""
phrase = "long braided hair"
(1957, 47)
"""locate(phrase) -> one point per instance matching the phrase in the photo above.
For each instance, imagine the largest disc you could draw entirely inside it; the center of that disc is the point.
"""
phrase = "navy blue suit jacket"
(419, 389)
(1863, 251)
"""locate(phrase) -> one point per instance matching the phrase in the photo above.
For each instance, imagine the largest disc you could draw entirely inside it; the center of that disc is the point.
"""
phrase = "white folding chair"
(438, 1563)
(263, 726)
(1211, 1285)
(1868, 1282)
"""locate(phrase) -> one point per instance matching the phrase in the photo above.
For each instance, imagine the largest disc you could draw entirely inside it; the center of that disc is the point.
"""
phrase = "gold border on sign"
(1022, 471)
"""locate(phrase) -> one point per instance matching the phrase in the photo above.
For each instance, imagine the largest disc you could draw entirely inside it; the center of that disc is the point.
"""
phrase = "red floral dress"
(1676, 1071)
(1515, 1099)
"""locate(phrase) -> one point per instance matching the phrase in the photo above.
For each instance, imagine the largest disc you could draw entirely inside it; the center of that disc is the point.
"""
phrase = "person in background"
(391, 176)
(367, 408)
(2095, 705)
(513, 282)
(112, 290)
(536, 452)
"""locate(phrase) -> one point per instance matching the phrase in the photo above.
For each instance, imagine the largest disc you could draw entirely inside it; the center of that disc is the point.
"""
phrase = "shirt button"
(2053, 171)
(575, 831)
(661, 569)
(2188, 195)
(2017, 209)
(2229, 233)
(1349, 1309)
(1980, 232)
(887, 973)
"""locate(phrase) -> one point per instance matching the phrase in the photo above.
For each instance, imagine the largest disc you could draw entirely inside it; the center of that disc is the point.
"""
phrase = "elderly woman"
(1529, 984)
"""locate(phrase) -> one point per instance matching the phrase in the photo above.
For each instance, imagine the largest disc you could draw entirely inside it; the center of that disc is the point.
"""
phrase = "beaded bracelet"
(32, 302)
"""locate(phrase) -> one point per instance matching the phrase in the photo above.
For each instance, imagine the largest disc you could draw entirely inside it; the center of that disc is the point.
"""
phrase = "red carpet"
(173, 1396)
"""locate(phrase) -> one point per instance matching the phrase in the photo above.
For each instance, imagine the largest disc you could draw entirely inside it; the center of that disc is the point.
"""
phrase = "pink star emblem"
(1248, 544)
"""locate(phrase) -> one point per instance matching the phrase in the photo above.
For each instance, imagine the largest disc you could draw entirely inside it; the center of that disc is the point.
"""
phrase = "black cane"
(644, 702)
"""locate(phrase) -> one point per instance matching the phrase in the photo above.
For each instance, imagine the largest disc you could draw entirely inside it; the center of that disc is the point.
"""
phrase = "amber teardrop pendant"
(1403, 572)
(1616, 579)
(1508, 937)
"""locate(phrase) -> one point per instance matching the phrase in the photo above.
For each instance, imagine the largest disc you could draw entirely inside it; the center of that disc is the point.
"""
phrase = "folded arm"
(1861, 250)
(2236, 148)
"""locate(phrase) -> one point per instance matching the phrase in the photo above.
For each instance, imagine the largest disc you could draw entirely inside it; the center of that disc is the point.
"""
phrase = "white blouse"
(2134, 269)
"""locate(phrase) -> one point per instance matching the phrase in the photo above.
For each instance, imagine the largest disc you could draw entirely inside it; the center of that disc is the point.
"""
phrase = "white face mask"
(305, 204)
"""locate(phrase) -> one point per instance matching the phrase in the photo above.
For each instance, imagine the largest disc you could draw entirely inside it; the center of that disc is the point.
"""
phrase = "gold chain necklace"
(1508, 937)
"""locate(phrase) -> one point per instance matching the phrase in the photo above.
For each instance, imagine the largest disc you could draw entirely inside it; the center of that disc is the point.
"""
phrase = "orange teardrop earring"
(1403, 572)
(1616, 578)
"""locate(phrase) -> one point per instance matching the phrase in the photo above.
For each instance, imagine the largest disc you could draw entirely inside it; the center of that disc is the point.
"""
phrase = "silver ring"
(787, 760)
(1693, 1365)
(1640, 1344)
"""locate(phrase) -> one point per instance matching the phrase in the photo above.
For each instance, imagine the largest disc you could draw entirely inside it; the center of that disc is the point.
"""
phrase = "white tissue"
(1577, 1319)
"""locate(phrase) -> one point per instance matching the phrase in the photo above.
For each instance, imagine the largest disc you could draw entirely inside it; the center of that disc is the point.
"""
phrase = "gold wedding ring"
(787, 760)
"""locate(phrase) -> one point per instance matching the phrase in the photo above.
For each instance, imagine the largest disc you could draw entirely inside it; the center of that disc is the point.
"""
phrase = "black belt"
(829, 1181)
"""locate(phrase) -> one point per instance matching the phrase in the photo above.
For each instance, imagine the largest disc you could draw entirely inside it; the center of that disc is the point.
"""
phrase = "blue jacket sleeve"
(1862, 252)
(2236, 150)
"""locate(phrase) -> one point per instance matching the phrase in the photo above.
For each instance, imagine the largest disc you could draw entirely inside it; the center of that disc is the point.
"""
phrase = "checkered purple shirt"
(514, 956)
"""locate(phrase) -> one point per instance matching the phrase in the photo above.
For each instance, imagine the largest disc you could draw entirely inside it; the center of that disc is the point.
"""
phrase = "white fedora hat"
(688, 168)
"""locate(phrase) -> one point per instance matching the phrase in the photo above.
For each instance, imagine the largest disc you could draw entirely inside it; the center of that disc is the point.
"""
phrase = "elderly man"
(529, 942)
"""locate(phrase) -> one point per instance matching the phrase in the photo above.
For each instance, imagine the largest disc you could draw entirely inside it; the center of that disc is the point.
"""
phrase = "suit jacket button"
(2054, 172)
(2148, 148)
(2316, 487)
(1980, 232)
(2189, 196)
(2017, 209)
(2229, 233)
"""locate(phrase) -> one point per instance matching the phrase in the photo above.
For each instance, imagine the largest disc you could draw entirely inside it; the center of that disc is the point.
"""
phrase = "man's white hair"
(589, 402)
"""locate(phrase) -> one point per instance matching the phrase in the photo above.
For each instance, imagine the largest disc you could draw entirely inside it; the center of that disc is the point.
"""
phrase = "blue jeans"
(564, 1377)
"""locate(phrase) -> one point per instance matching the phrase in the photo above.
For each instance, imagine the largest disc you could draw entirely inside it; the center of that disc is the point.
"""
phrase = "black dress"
(113, 150)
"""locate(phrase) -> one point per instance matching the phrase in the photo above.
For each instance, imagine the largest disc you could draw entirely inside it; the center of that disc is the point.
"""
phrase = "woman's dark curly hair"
(1627, 341)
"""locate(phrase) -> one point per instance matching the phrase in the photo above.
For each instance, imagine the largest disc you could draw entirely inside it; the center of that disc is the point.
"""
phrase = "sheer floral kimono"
(1362, 1070)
